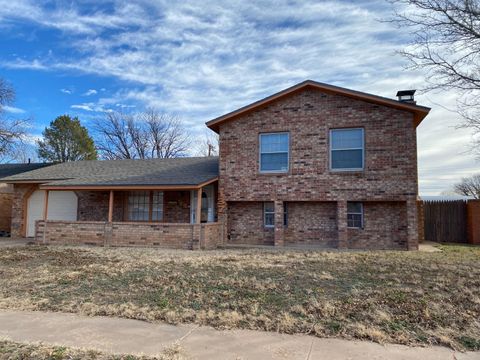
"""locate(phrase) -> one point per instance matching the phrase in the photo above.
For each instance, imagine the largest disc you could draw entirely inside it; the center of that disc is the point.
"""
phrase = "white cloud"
(13, 110)
(90, 92)
(66, 91)
(202, 59)
(85, 107)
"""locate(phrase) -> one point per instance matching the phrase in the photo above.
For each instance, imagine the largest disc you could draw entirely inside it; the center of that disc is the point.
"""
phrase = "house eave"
(127, 187)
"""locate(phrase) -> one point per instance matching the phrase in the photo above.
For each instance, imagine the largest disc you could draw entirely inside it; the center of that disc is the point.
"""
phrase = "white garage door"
(62, 205)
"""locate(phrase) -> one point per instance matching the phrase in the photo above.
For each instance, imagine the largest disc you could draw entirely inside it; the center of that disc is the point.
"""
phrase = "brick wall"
(311, 223)
(177, 236)
(385, 227)
(21, 193)
(6, 200)
(390, 159)
(176, 207)
(245, 224)
(93, 205)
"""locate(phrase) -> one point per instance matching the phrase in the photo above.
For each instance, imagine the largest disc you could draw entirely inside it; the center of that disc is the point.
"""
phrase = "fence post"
(473, 222)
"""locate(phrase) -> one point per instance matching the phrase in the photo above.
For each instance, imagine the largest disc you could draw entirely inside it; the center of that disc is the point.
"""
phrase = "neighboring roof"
(123, 173)
(419, 111)
(13, 169)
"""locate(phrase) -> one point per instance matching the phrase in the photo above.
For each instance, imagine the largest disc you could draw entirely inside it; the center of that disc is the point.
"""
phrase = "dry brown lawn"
(399, 297)
(10, 350)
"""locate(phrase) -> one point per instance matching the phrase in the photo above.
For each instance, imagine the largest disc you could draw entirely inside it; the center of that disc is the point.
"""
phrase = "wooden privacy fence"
(446, 221)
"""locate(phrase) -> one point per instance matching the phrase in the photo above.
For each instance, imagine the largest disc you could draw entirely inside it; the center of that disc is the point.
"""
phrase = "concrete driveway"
(136, 337)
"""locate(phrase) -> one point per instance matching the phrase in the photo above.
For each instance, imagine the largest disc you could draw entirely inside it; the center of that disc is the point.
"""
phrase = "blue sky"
(200, 59)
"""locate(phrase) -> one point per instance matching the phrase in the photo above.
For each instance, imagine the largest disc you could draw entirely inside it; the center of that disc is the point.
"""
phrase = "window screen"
(346, 149)
(355, 215)
(274, 150)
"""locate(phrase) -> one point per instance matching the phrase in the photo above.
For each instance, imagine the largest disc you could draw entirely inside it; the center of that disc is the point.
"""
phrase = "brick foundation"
(385, 227)
(175, 236)
(245, 224)
(311, 223)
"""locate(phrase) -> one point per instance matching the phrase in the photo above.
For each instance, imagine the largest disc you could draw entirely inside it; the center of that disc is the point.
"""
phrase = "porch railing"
(167, 235)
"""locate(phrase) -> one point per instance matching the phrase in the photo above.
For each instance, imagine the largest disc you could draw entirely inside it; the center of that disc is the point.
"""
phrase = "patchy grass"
(13, 350)
(411, 298)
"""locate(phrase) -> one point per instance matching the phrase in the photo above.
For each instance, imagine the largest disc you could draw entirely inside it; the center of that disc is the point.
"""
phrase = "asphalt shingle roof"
(13, 169)
(176, 171)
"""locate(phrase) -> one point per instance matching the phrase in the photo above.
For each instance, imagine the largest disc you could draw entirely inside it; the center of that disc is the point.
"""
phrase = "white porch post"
(198, 212)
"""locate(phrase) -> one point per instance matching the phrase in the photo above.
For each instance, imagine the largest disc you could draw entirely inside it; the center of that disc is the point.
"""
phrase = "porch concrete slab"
(124, 336)
(10, 242)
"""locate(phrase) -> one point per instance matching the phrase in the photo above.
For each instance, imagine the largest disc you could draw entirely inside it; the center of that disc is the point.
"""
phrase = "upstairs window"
(355, 215)
(274, 152)
(346, 149)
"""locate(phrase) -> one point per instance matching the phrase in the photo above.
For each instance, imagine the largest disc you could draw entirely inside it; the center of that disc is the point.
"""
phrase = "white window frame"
(332, 150)
(268, 212)
(277, 152)
(361, 213)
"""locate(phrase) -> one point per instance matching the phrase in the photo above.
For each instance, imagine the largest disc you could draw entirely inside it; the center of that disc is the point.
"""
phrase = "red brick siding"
(390, 159)
(311, 223)
(93, 205)
(245, 224)
(6, 201)
(385, 227)
(176, 206)
(177, 236)
(19, 207)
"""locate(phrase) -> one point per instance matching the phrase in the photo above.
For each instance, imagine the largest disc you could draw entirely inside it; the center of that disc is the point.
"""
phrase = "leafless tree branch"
(446, 44)
(150, 134)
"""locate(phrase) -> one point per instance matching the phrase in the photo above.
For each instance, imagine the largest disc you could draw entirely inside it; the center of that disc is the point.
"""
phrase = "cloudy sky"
(200, 59)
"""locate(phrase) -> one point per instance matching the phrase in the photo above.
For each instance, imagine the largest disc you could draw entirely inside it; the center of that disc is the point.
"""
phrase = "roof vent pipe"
(406, 96)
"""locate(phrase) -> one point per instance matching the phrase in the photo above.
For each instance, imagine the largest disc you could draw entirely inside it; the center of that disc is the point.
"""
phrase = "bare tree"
(167, 137)
(12, 131)
(446, 44)
(149, 134)
(209, 145)
(112, 137)
(469, 186)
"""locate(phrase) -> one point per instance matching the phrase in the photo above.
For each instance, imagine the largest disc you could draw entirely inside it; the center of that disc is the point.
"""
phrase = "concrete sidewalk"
(137, 337)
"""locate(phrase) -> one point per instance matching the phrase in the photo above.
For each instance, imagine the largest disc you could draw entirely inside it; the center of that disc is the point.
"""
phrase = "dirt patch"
(386, 296)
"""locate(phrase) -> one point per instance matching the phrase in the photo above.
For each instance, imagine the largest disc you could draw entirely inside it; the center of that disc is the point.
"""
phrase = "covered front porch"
(164, 216)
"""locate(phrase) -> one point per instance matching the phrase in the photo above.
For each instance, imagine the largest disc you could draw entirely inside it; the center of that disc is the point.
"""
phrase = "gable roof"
(419, 111)
(91, 174)
(13, 169)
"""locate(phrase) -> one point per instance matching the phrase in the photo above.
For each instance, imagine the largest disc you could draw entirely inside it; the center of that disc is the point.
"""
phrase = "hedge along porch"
(135, 216)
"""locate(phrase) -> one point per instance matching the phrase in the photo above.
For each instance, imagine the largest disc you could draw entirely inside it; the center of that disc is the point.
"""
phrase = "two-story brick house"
(313, 165)
(320, 165)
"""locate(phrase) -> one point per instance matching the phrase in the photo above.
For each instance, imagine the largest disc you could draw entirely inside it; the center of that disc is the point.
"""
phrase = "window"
(138, 205)
(355, 215)
(157, 206)
(274, 149)
(346, 149)
(285, 214)
(269, 214)
(143, 203)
